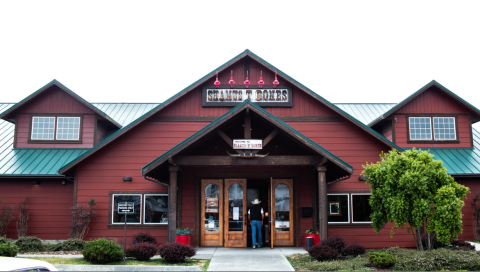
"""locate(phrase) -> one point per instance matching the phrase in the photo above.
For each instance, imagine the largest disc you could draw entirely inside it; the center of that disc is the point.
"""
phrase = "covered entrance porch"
(214, 183)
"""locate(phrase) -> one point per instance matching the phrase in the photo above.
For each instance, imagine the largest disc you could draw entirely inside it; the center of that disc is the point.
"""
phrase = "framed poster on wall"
(211, 205)
(334, 208)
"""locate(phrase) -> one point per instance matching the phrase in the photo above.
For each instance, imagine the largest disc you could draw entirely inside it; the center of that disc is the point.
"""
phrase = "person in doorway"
(255, 215)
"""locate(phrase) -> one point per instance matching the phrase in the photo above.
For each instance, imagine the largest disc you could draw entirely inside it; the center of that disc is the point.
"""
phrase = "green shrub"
(48, 247)
(73, 245)
(102, 251)
(8, 249)
(381, 259)
(29, 244)
(4, 240)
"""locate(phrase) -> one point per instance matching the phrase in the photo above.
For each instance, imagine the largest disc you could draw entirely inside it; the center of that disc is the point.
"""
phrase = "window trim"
(112, 225)
(113, 209)
(431, 128)
(351, 196)
(454, 127)
(348, 208)
(431, 115)
(144, 206)
(55, 141)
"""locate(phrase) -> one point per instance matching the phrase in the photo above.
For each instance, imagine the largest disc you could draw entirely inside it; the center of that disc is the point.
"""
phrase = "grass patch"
(406, 260)
(201, 263)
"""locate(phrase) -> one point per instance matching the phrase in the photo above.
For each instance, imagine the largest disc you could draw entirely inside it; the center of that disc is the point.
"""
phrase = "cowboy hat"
(256, 201)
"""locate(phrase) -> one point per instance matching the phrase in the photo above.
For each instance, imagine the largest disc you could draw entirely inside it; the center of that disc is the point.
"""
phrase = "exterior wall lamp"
(247, 82)
(275, 82)
(217, 82)
(127, 178)
(231, 82)
(362, 178)
(36, 182)
(260, 82)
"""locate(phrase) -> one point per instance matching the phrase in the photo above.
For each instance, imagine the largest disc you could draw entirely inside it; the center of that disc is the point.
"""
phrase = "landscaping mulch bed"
(52, 253)
(406, 260)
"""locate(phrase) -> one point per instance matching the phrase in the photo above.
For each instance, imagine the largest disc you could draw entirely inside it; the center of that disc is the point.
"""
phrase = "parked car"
(23, 264)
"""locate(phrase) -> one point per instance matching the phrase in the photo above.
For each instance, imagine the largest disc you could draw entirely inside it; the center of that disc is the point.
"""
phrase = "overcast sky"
(146, 51)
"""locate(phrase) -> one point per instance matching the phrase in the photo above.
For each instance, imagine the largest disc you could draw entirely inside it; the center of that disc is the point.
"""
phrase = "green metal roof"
(125, 113)
(346, 165)
(365, 112)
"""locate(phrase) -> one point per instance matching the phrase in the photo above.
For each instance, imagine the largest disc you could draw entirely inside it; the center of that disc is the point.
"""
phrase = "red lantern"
(260, 82)
(275, 82)
(231, 82)
(247, 82)
(217, 83)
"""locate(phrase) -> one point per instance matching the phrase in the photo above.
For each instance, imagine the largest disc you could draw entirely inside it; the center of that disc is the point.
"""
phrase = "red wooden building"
(198, 159)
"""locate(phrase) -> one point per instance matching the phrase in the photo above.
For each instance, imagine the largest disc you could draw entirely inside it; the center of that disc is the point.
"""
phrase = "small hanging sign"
(247, 144)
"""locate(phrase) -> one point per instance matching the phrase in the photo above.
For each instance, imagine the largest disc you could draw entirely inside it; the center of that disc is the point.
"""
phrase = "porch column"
(172, 204)
(322, 202)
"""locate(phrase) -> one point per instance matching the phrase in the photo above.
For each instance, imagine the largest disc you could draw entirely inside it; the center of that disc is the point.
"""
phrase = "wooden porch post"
(172, 204)
(322, 202)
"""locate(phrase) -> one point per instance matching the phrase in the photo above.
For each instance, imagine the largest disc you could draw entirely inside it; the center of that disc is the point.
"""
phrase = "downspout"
(162, 183)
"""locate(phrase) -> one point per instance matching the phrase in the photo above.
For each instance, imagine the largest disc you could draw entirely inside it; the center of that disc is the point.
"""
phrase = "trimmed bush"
(322, 253)
(8, 249)
(461, 245)
(102, 251)
(335, 242)
(353, 249)
(143, 238)
(47, 247)
(175, 252)
(4, 240)
(381, 260)
(29, 244)
(141, 251)
(73, 245)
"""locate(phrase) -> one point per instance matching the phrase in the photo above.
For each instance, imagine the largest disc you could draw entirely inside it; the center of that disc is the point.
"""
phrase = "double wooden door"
(224, 212)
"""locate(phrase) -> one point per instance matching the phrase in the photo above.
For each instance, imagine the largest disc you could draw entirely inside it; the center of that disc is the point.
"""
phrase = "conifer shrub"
(142, 251)
(102, 251)
(353, 249)
(381, 260)
(47, 247)
(321, 252)
(175, 252)
(73, 245)
(335, 242)
(29, 244)
(143, 238)
(8, 249)
(4, 240)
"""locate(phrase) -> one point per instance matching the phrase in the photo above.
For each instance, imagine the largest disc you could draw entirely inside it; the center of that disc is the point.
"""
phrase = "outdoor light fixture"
(36, 182)
(362, 178)
(217, 83)
(231, 82)
(127, 178)
(64, 182)
(247, 82)
(260, 82)
(275, 82)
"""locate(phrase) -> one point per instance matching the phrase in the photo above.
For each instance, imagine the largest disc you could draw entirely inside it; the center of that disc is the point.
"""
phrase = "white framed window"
(43, 128)
(338, 208)
(155, 209)
(119, 218)
(68, 128)
(444, 128)
(361, 208)
(420, 128)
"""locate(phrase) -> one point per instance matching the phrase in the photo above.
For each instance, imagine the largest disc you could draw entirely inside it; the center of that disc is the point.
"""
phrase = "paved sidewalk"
(477, 246)
(248, 259)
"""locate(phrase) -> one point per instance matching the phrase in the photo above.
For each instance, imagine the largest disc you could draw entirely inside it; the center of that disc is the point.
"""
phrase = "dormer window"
(55, 129)
(432, 129)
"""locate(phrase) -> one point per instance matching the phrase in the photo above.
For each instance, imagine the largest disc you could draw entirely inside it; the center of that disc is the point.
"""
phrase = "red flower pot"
(185, 239)
(316, 239)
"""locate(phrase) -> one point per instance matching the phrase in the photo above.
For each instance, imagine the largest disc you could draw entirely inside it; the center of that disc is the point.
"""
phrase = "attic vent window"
(43, 128)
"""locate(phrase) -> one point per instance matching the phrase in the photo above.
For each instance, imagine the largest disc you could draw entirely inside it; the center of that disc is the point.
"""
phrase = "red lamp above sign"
(260, 82)
(231, 82)
(275, 82)
(247, 82)
(217, 83)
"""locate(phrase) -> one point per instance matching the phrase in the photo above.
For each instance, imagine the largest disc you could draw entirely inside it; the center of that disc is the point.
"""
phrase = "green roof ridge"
(229, 112)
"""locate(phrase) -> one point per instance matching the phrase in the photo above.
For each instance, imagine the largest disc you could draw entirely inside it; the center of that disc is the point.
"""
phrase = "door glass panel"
(235, 207)
(282, 208)
(212, 215)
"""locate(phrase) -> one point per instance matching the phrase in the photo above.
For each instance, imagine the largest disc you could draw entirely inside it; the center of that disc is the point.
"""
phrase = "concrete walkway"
(248, 259)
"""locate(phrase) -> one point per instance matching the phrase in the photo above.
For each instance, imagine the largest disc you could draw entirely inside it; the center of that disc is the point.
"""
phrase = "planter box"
(316, 239)
(186, 239)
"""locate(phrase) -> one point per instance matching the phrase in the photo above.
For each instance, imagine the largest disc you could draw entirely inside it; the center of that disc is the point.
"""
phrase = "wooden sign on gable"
(267, 96)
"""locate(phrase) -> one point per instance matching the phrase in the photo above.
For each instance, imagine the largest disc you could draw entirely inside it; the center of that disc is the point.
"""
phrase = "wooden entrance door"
(212, 212)
(282, 212)
(235, 213)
